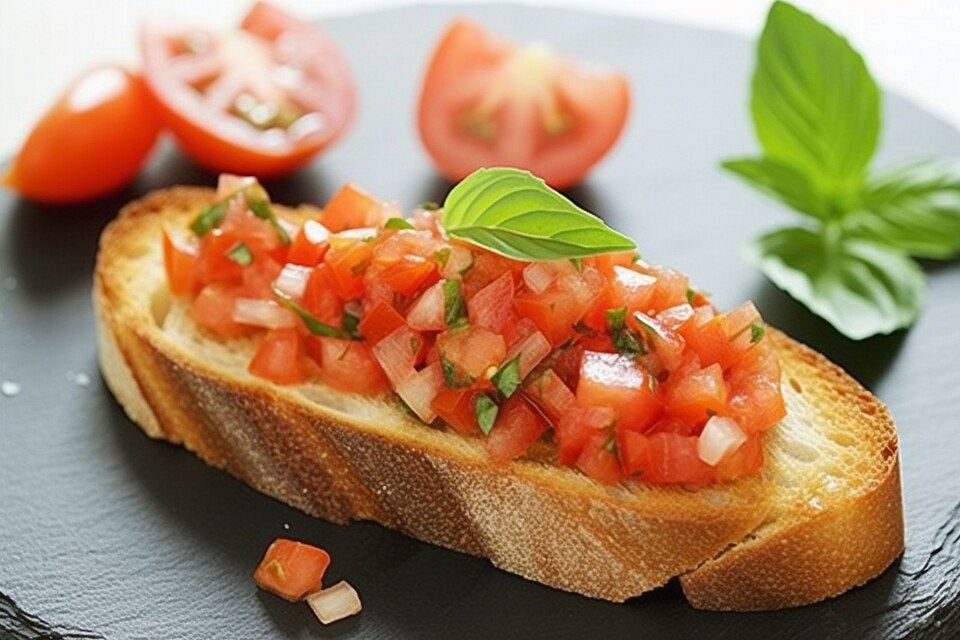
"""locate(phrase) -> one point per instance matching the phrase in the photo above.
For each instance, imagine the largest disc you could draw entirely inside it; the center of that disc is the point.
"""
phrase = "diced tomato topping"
(379, 322)
(627, 400)
(309, 244)
(599, 459)
(577, 426)
(292, 570)
(517, 427)
(472, 351)
(213, 310)
(180, 262)
(456, 408)
(347, 365)
(279, 357)
(698, 395)
(489, 308)
(619, 382)
(351, 208)
(320, 298)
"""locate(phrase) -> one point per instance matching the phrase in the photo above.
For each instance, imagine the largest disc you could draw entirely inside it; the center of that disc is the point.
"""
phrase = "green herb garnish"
(756, 332)
(313, 325)
(263, 210)
(429, 206)
(241, 254)
(507, 378)
(624, 339)
(397, 223)
(577, 264)
(442, 256)
(209, 218)
(515, 214)
(486, 411)
(816, 112)
(454, 306)
(351, 324)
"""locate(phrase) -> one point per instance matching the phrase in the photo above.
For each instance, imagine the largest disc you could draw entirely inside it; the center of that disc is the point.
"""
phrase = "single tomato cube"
(598, 459)
(279, 357)
(351, 208)
(456, 408)
(619, 382)
(180, 263)
(577, 426)
(696, 396)
(291, 569)
(517, 427)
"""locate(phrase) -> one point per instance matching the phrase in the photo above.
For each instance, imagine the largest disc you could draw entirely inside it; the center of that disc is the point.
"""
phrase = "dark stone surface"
(106, 530)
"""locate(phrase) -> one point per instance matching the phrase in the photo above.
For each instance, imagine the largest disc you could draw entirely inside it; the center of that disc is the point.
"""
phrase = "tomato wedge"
(261, 100)
(92, 141)
(488, 102)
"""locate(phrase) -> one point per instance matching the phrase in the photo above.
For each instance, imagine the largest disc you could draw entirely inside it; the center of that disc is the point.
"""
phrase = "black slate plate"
(102, 528)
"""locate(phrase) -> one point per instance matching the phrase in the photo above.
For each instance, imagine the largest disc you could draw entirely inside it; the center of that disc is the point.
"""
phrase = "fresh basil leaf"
(452, 376)
(859, 287)
(397, 223)
(815, 105)
(783, 182)
(624, 340)
(757, 332)
(915, 208)
(241, 254)
(486, 411)
(351, 324)
(209, 218)
(442, 256)
(313, 325)
(454, 306)
(507, 378)
(263, 210)
(515, 214)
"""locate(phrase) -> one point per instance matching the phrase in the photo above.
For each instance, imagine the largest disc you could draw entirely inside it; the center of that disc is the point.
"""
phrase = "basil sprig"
(309, 320)
(515, 214)
(816, 113)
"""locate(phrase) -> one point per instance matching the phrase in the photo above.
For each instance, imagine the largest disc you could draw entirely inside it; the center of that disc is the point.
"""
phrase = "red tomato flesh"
(291, 569)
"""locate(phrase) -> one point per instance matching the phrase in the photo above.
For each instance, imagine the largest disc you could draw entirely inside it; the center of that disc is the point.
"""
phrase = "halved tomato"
(486, 102)
(92, 141)
(261, 100)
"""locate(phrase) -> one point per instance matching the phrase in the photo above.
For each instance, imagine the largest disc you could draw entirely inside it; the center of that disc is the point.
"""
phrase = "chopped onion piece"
(397, 353)
(315, 232)
(390, 210)
(262, 313)
(347, 238)
(458, 262)
(532, 350)
(228, 184)
(335, 603)
(293, 280)
(538, 276)
(720, 438)
(427, 313)
(287, 226)
(419, 390)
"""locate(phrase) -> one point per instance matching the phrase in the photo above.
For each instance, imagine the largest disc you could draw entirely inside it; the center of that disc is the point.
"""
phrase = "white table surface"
(913, 46)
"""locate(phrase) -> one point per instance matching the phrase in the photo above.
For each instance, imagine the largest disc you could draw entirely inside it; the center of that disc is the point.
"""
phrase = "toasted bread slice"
(824, 515)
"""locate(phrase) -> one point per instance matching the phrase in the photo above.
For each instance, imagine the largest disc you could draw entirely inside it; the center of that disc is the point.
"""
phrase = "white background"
(913, 46)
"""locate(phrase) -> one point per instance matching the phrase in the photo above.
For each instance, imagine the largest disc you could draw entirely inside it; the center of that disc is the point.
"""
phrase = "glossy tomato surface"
(92, 141)
(261, 100)
(488, 102)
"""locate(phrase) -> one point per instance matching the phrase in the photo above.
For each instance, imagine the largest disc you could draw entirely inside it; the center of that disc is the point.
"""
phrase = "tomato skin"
(675, 460)
(550, 393)
(380, 322)
(351, 208)
(180, 263)
(456, 408)
(599, 461)
(517, 427)
(590, 105)
(616, 381)
(577, 426)
(211, 136)
(347, 265)
(696, 396)
(213, 310)
(291, 570)
(305, 252)
(279, 357)
(490, 308)
(746, 460)
(347, 365)
(320, 299)
(91, 142)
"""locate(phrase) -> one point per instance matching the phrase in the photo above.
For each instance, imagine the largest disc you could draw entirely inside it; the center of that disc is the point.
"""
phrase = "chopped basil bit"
(414, 345)
(442, 256)
(263, 210)
(486, 411)
(209, 218)
(452, 376)
(351, 324)
(241, 254)
(624, 340)
(454, 306)
(397, 223)
(429, 206)
(313, 325)
(583, 328)
(710, 412)
(507, 378)
(756, 332)
(691, 294)
(577, 264)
